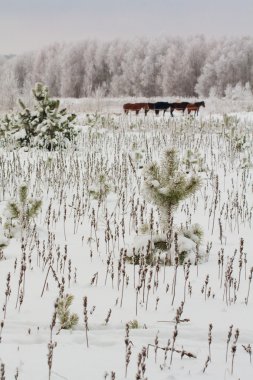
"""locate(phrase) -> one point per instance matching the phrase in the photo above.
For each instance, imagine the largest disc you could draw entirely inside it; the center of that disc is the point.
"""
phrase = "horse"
(180, 106)
(195, 107)
(135, 107)
(151, 106)
(161, 106)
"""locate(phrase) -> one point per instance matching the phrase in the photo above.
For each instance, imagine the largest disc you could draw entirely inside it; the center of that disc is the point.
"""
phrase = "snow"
(62, 180)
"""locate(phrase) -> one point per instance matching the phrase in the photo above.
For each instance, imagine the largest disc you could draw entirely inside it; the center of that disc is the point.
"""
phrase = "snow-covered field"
(78, 247)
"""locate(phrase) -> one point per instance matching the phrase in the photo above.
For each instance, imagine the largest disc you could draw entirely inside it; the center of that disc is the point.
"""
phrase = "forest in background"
(184, 67)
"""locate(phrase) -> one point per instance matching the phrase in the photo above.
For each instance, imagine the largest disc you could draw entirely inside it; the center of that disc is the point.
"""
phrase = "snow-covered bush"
(20, 212)
(46, 126)
(100, 188)
(66, 319)
(165, 185)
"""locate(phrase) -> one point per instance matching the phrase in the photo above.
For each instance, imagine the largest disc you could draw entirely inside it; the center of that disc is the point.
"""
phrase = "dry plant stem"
(206, 364)
(85, 313)
(233, 349)
(1, 330)
(174, 280)
(250, 279)
(2, 372)
(51, 347)
(45, 281)
(185, 353)
(128, 349)
(7, 294)
(123, 284)
(136, 301)
(228, 340)
(210, 339)
(173, 342)
(248, 349)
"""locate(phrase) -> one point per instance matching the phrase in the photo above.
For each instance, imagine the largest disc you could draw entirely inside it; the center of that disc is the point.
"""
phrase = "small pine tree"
(46, 126)
(165, 186)
(66, 319)
(22, 210)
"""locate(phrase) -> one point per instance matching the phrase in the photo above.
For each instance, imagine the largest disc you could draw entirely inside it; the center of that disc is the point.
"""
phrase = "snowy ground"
(71, 218)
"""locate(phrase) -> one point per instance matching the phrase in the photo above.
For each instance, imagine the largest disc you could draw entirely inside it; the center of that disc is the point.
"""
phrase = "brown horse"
(180, 106)
(135, 107)
(195, 107)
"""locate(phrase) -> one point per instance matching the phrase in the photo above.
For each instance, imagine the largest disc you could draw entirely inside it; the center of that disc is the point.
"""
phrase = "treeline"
(185, 67)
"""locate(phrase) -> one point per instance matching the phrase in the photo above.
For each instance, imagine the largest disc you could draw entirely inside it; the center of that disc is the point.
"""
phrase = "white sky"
(30, 24)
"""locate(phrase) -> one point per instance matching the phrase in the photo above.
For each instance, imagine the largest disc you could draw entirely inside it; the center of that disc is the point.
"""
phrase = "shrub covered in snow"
(20, 212)
(46, 126)
(165, 185)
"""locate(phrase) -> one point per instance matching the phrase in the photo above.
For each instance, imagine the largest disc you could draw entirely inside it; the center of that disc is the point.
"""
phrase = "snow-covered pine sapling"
(23, 210)
(66, 319)
(165, 186)
(46, 125)
(100, 187)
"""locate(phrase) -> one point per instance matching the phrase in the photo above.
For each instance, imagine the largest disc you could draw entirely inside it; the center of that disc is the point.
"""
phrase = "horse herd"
(163, 106)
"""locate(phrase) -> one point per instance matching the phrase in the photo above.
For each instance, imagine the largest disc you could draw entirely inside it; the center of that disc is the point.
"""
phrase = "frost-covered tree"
(21, 211)
(165, 185)
(9, 87)
(142, 67)
(46, 126)
(66, 319)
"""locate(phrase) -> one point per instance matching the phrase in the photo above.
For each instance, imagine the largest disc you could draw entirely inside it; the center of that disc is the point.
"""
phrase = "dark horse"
(161, 106)
(135, 107)
(195, 107)
(180, 106)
